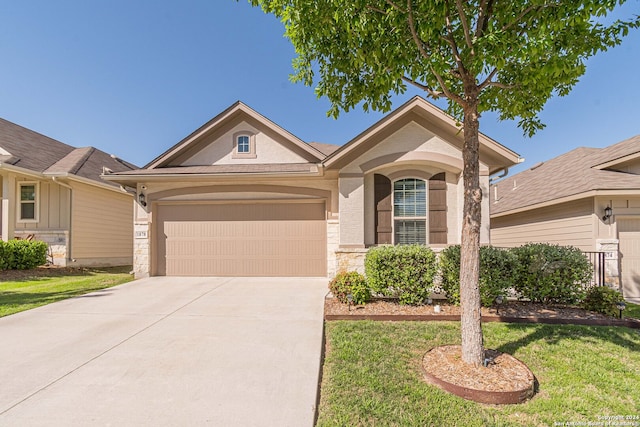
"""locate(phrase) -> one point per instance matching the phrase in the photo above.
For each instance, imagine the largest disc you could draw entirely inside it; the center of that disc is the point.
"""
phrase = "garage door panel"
(629, 235)
(287, 239)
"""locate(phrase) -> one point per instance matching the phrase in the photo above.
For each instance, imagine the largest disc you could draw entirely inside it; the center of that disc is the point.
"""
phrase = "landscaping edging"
(486, 396)
(629, 323)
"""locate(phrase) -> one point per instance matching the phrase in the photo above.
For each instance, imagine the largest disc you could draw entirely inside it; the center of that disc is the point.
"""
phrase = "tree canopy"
(517, 53)
(509, 57)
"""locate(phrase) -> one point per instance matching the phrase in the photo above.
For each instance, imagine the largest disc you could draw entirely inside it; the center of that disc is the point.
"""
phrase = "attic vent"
(537, 165)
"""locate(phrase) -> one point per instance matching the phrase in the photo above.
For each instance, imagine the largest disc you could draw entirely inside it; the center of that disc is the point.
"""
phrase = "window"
(244, 145)
(409, 211)
(28, 208)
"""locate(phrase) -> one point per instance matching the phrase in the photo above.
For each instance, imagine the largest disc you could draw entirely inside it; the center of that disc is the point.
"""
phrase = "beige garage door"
(256, 239)
(629, 235)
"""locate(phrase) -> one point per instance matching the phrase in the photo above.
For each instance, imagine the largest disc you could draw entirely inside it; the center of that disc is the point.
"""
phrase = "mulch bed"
(511, 311)
(504, 379)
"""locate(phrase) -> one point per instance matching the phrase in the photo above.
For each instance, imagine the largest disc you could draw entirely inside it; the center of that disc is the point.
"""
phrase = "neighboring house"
(242, 196)
(53, 192)
(588, 198)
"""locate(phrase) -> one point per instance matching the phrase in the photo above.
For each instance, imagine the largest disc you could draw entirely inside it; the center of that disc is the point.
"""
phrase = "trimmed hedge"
(22, 254)
(549, 273)
(350, 282)
(602, 299)
(404, 271)
(496, 269)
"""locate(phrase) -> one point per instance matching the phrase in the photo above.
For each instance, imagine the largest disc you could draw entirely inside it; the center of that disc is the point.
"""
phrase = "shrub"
(6, 256)
(551, 273)
(496, 267)
(350, 282)
(602, 299)
(404, 271)
(22, 254)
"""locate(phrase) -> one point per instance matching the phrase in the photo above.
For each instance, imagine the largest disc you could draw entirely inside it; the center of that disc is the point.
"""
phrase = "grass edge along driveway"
(372, 375)
(20, 291)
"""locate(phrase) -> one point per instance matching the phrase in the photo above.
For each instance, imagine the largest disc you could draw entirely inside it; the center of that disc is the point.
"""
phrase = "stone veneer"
(611, 249)
(350, 259)
(58, 241)
(141, 249)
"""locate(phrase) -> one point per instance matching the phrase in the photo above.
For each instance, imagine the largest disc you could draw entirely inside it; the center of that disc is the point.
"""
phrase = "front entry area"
(252, 239)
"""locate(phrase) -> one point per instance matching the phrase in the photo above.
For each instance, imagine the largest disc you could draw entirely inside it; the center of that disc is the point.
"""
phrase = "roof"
(494, 154)
(25, 149)
(577, 172)
(326, 149)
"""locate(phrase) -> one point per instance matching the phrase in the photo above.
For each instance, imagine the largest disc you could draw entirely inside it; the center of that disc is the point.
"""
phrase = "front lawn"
(372, 375)
(24, 290)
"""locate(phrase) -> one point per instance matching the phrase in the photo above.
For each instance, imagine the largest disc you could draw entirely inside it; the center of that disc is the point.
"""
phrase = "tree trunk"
(470, 322)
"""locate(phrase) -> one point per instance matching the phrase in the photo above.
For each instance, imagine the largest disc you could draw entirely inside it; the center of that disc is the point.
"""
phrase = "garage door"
(243, 239)
(629, 235)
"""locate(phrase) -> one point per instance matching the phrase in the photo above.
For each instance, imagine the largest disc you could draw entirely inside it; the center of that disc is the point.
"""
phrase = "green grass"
(632, 310)
(372, 375)
(37, 289)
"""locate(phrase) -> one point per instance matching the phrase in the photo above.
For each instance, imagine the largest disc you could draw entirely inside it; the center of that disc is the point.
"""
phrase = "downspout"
(65, 185)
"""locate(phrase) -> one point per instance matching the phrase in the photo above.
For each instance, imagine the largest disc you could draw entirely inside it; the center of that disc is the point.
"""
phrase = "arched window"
(409, 211)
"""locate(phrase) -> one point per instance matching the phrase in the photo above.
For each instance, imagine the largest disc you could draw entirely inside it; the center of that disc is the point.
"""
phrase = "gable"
(221, 148)
(493, 156)
(411, 143)
(213, 143)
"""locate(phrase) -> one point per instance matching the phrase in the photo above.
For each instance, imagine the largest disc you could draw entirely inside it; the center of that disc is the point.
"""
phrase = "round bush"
(602, 299)
(350, 282)
(405, 272)
(551, 273)
(496, 269)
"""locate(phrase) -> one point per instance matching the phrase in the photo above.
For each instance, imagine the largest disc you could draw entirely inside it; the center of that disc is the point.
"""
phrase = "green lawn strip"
(631, 310)
(28, 293)
(372, 374)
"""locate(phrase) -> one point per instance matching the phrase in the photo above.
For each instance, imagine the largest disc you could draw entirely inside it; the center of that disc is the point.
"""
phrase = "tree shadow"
(554, 334)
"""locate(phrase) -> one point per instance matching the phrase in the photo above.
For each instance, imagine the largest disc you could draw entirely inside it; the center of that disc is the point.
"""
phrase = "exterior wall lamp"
(607, 213)
(142, 199)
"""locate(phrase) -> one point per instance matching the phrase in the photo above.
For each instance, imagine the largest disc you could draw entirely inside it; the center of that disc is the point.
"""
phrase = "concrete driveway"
(167, 351)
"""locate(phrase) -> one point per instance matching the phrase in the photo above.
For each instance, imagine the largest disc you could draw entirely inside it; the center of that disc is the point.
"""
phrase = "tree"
(481, 55)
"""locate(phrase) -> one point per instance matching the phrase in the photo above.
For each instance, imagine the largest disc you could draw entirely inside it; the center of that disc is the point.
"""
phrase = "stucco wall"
(220, 150)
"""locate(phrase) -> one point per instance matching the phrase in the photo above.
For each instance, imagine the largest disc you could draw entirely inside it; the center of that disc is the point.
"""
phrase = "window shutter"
(438, 209)
(383, 209)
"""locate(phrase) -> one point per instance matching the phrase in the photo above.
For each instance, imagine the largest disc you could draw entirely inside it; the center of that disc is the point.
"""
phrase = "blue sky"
(134, 77)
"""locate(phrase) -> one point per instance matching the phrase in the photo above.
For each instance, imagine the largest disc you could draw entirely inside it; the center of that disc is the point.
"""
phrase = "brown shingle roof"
(30, 150)
(567, 175)
(326, 149)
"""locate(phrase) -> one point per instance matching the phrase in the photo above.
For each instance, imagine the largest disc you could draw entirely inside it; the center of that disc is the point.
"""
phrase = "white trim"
(410, 218)
(36, 202)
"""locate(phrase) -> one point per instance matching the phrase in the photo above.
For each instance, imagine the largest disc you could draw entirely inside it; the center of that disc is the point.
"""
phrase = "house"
(53, 192)
(241, 196)
(588, 198)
